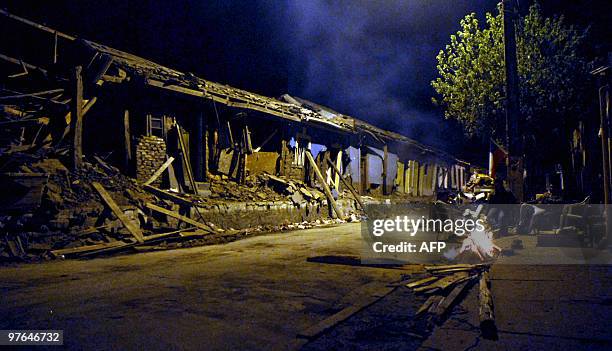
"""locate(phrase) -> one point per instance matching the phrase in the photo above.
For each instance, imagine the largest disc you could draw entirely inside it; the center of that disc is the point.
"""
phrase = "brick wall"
(150, 155)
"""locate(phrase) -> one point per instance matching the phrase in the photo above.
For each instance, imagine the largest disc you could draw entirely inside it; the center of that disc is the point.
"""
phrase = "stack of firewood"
(445, 286)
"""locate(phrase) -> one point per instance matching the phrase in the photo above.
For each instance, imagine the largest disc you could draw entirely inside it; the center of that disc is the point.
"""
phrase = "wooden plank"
(192, 182)
(159, 171)
(166, 235)
(268, 138)
(174, 184)
(109, 249)
(80, 249)
(135, 231)
(444, 282)
(328, 193)
(451, 266)
(179, 217)
(166, 195)
(449, 300)
(76, 109)
(356, 196)
(331, 321)
(428, 303)
(421, 282)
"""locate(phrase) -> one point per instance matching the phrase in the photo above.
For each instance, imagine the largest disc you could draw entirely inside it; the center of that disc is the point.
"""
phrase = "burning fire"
(480, 242)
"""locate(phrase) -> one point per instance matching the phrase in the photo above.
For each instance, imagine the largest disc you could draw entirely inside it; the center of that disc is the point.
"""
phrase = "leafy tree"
(551, 73)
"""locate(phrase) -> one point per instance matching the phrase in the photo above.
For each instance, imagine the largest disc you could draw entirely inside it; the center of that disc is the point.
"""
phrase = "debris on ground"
(98, 210)
(446, 285)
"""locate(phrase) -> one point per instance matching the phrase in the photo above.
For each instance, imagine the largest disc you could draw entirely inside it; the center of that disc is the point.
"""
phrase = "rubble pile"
(263, 187)
(97, 209)
(254, 189)
(68, 213)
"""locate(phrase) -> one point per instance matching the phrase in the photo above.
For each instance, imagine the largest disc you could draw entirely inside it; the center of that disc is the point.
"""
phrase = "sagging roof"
(292, 108)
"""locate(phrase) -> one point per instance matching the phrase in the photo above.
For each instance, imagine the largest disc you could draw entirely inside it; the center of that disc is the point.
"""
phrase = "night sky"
(369, 59)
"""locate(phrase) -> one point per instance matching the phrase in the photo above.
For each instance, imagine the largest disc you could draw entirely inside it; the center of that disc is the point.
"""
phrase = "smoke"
(373, 60)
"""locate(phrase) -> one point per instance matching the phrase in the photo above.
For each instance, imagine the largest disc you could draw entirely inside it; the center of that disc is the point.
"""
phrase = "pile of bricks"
(150, 155)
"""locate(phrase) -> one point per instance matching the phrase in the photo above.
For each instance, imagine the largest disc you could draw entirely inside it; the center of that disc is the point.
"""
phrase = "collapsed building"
(86, 122)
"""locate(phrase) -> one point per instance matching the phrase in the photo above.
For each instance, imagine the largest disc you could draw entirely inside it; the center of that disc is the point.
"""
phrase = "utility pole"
(514, 162)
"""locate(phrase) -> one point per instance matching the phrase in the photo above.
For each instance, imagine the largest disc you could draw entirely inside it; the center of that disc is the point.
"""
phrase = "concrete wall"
(241, 215)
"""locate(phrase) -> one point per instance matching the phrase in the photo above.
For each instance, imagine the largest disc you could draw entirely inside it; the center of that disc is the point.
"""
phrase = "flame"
(480, 242)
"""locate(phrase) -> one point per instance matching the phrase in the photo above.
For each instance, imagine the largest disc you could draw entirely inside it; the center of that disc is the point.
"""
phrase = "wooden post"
(328, 193)
(199, 154)
(385, 169)
(337, 170)
(186, 159)
(283, 161)
(76, 110)
(126, 140)
(348, 186)
(206, 154)
(366, 174)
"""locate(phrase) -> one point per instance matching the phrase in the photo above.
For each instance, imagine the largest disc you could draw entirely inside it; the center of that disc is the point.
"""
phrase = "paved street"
(538, 305)
(258, 293)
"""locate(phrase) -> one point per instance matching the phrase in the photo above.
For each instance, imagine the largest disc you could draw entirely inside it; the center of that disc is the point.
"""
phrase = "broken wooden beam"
(421, 282)
(454, 266)
(166, 195)
(106, 166)
(87, 248)
(135, 231)
(330, 197)
(486, 312)
(356, 196)
(76, 110)
(36, 94)
(159, 171)
(177, 233)
(426, 306)
(444, 306)
(443, 282)
(344, 314)
(36, 25)
(68, 117)
(23, 64)
(179, 217)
